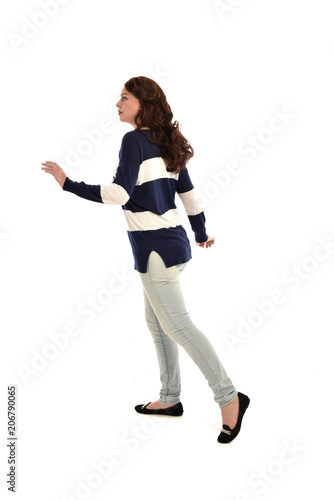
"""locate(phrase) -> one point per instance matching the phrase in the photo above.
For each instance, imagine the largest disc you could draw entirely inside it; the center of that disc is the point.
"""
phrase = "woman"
(151, 169)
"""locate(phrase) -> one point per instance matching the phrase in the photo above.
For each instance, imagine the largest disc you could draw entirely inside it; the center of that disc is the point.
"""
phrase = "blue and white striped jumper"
(146, 192)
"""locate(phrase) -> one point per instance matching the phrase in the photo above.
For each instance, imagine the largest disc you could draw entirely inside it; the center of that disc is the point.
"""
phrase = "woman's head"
(143, 104)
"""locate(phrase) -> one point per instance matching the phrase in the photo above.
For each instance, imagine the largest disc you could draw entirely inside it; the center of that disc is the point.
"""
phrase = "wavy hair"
(156, 114)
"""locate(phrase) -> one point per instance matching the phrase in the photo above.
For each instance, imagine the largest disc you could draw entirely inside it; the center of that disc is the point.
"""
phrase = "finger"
(49, 168)
(51, 164)
(48, 171)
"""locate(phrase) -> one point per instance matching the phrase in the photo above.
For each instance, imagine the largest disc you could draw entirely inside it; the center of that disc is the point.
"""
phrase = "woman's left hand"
(54, 169)
(210, 241)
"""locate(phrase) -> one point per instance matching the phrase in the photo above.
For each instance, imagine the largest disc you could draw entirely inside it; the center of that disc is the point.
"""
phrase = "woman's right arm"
(116, 193)
(113, 193)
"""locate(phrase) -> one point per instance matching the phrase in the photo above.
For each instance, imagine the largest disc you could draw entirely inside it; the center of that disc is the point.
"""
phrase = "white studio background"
(251, 84)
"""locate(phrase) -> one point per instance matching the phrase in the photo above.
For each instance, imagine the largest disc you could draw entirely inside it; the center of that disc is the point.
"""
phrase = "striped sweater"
(146, 192)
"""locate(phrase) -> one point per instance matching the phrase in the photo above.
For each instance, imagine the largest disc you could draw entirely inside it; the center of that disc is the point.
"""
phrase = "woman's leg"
(162, 288)
(168, 357)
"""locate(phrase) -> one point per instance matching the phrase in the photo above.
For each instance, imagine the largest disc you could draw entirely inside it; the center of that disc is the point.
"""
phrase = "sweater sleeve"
(120, 190)
(186, 192)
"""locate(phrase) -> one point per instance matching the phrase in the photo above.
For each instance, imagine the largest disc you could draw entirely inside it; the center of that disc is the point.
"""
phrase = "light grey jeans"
(170, 326)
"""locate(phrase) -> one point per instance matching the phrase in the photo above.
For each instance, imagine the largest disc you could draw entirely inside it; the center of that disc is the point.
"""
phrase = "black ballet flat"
(227, 434)
(172, 411)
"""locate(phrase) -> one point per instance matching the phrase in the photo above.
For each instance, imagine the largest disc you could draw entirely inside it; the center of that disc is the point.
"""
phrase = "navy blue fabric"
(154, 196)
(87, 191)
(158, 196)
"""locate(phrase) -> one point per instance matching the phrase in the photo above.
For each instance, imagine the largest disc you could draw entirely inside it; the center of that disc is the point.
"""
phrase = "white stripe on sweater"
(191, 203)
(153, 169)
(114, 194)
(145, 221)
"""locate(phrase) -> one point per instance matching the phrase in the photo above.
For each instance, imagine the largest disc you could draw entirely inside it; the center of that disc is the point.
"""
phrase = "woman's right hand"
(54, 169)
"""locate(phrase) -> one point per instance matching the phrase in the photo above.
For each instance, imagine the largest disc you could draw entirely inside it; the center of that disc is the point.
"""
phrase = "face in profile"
(128, 107)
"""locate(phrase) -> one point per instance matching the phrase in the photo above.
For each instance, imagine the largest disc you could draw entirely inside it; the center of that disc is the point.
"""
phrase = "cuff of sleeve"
(201, 237)
(198, 226)
(67, 184)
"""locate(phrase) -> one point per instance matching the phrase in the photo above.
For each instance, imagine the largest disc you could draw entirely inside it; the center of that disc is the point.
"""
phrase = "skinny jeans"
(170, 325)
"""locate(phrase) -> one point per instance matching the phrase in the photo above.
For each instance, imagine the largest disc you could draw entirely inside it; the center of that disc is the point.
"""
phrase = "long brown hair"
(156, 114)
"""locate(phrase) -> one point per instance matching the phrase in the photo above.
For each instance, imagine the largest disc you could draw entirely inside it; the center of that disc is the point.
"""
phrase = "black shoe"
(172, 411)
(227, 434)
